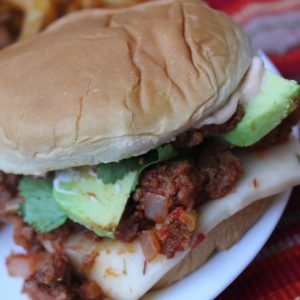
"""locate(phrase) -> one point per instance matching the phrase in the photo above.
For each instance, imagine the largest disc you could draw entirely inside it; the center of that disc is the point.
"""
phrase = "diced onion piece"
(150, 244)
(10, 206)
(156, 207)
(20, 265)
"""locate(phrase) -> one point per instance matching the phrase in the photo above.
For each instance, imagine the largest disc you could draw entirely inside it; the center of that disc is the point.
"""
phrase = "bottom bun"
(224, 235)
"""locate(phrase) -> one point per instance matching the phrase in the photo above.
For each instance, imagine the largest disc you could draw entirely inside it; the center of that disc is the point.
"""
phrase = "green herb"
(40, 208)
(166, 152)
(111, 172)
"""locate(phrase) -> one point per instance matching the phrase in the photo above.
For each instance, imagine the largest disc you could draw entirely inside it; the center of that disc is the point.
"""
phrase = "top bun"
(102, 85)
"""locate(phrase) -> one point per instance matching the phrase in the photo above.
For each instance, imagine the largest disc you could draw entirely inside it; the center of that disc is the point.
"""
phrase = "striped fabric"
(274, 27)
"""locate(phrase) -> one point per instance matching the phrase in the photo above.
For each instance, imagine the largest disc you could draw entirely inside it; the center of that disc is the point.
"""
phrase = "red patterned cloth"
(274, 27)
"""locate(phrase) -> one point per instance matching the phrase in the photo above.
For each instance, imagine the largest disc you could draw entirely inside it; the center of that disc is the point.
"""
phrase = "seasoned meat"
(194, 137)
(52, 268)
(91, 291)
(176, 234)
(177, 181)
(31, 240)
(168, 193)
(37, 291)
(25, 235)
(132, 222)
(48, 276)
(190, 138)
(210, 130)
(220, 169)
(61, 290)
(185, 183)
(279, 134)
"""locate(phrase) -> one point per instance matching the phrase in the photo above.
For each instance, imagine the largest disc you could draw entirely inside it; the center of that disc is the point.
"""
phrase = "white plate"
(205, 283)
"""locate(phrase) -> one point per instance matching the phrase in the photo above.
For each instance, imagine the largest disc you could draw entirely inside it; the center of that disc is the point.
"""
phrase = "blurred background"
(274, 27)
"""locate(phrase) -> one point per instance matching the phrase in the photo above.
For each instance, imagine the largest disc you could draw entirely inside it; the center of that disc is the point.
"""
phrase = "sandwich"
(136, 142)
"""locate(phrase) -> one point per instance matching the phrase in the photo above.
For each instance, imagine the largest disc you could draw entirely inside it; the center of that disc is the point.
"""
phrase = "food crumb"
(199, 239)
(110, 272)
(145, 267)
(255, 183)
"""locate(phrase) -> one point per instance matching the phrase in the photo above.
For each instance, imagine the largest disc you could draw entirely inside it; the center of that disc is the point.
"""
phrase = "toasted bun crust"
(221, 237)
(102, 85)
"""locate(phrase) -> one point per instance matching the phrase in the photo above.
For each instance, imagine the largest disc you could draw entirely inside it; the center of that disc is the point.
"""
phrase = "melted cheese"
(120, 268)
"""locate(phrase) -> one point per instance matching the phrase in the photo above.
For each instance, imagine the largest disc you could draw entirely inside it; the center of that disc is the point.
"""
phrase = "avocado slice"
(275, 101)
(96, 197)
(90, 202)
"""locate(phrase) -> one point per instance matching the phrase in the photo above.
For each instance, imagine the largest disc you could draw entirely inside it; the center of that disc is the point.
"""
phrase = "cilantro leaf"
(111, 172)
(40, 208)
(162, 153)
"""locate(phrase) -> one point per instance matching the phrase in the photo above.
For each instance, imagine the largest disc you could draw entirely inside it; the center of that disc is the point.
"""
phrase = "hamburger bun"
(152, 72)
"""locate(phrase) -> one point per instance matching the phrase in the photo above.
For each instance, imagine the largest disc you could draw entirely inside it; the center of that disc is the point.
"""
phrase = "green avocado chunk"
(96, 197)
(90, 202)
(274, 102)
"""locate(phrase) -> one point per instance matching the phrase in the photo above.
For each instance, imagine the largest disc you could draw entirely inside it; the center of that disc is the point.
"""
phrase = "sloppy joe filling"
(161, 212)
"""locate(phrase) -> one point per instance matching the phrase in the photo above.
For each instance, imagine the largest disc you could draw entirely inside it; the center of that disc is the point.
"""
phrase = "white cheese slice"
(120, 268)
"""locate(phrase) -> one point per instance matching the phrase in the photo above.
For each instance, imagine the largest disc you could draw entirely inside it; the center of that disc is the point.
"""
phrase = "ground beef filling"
(279, 134)
(170, 192)
(186, 184)
(220, 170)
(194, 137)
(49, 276)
